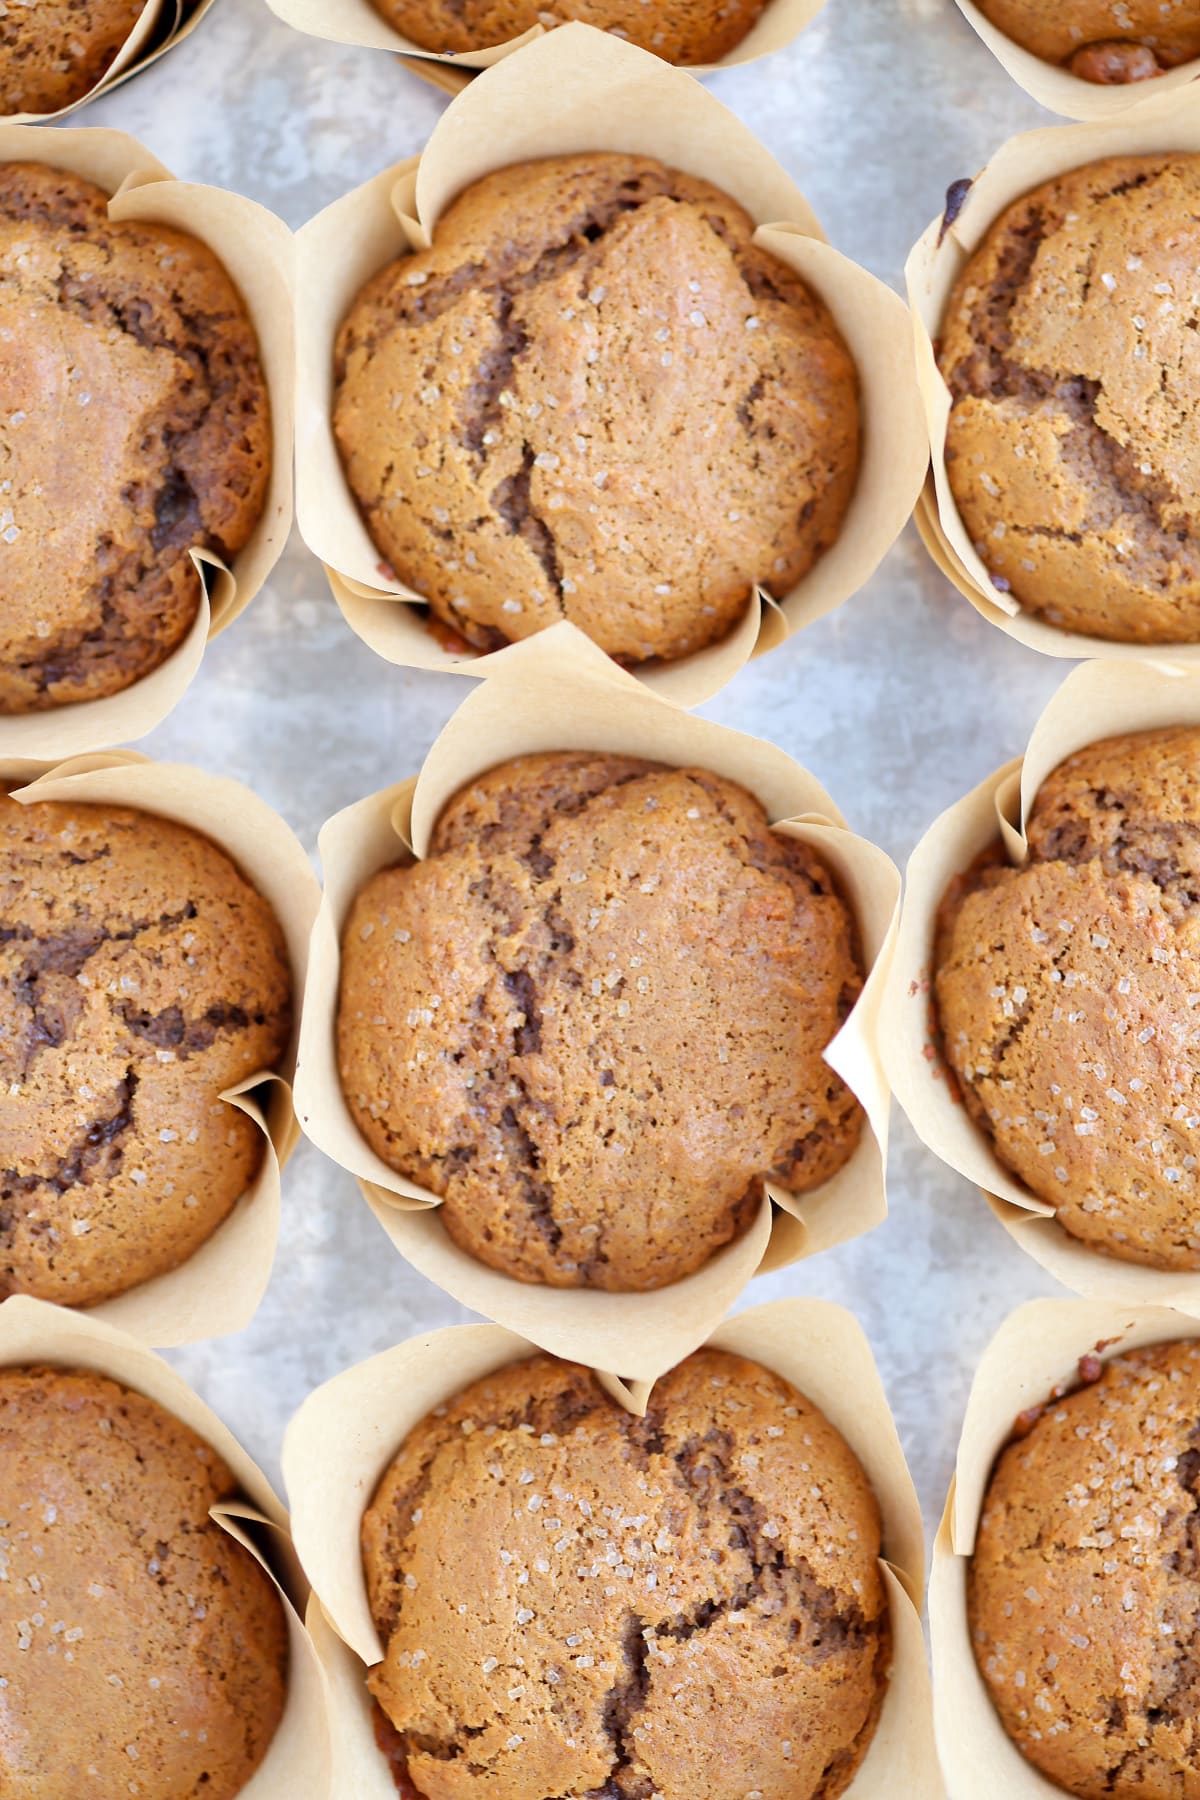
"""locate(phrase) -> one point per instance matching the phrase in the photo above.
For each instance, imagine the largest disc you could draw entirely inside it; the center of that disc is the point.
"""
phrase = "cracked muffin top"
(680, 31)
(145, 1650)
(593, 1018)
(1106, 41)
(140, 976)
(53, 52)
(129, 343)
(1071, 352)
(595, 399)
(1083, 1593)
(574, 1601)
(1067, 994)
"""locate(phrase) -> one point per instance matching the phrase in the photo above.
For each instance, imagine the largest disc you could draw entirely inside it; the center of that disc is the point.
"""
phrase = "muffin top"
(680, 31)
(53, 52)
(595, 399)
(130, 342)
(1067, 993)
(574, 1600)
(1107, 41)
(1083, 1592)
(593, 1018)
(1071, 449)
(143, 1649)
(140, 976)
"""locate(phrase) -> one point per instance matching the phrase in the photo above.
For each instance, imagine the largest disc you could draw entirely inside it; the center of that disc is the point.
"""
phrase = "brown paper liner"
(347, 1432)
(1060, 91)
(1037, 1348)
(299, 1759)
(255, 248)
(575, 89)
(1099, 700)
(558, 692)
(217, 1290)
(1167, 119)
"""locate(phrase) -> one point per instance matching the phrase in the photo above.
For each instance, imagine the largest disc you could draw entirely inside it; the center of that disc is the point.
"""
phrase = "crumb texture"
(1068, 993)
(1106, 41)
(144, 1650)
(53, 52)
(593, 1018)
(1084, 1589)
(575, 1602)
(140, 976)
(595, 399)
(129, 343)
(1071, 347)
(680, 31)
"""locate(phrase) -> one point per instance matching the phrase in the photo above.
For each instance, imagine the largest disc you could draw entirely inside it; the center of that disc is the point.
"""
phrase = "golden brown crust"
(1067, 994)
(130, 342)
(595, 399)
(53, 52)
(1110, 41)
(577, 1602)
(140, 976)
(1084, 1591)
(680, 31)
(593, 1018)
(144, 1650)
(1074, 368)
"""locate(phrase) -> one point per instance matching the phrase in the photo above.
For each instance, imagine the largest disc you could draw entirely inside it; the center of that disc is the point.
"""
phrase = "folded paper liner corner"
(1061, 92)
(1098, 700)
(574, 90)
(1164, 121)
(347, 1432)
(218, 1289)
(559, 692)
(1036, 1349)
(300, 1756)
(256, 249)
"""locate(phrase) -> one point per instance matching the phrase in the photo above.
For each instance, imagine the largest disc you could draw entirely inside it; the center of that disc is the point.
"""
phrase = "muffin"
(678, 30)
(573, 1600)
(595, 399)
(145, 1651)
(1107, 41)
(1074, 378)
(592, 1020)
(1067, 994)
(1083, 1592)
(140, 976)
(53, 52)
(129, 342)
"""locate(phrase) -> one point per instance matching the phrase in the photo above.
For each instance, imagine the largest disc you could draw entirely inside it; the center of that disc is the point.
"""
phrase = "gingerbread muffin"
(140, 976)
(1084, 1591)
(680, 31)
(53, 52)
(144, 1650)
(595, 399)
(1067, 994)
(1106, 41)
(572, 1600)
(593, 1019)
(1075, 377)
(129, 342)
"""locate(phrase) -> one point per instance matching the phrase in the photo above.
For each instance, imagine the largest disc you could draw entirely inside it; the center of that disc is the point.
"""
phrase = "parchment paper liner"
(1037, 1348)
(347, 1432)
(256, 249)
(31, 1332)
(1098, 700)
(1059, 90)
(558, 692)
(1167, 119)
(576, 89)
(218, 1289)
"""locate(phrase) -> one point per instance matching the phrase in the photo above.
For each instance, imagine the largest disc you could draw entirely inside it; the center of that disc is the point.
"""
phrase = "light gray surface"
(898, 703)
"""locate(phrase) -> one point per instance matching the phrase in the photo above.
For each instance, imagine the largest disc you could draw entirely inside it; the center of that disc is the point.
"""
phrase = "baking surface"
(898, 703)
